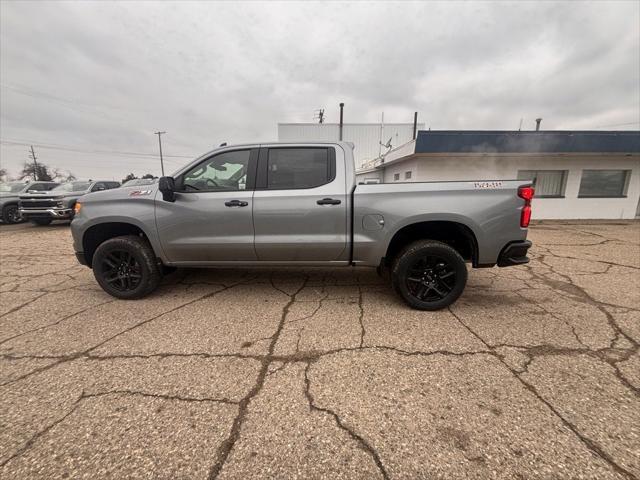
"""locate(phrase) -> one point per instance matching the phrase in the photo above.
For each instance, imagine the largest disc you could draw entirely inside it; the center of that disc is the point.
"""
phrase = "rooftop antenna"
(381, 133)
(520, 127)
(319, 115)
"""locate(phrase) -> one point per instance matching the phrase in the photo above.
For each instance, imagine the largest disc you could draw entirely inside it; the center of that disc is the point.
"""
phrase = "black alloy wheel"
(11, 214)
(126, 267)
(430, 278)
(429, 275)
(121, 271)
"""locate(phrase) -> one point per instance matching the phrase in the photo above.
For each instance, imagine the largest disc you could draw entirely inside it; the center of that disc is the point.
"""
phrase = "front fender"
(139, 212)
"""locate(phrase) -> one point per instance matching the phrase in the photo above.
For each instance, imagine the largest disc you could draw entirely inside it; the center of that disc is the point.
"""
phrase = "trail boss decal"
(487, 184)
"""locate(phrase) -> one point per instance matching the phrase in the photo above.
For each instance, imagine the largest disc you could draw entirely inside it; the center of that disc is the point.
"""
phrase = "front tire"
(41, 222)
(429, 275)
(125, 267)
(11, 214)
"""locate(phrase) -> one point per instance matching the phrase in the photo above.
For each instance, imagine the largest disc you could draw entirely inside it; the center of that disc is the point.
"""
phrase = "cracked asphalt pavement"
(323, 373)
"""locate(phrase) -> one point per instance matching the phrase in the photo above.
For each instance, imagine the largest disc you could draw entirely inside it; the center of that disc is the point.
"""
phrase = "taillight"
(526, 193)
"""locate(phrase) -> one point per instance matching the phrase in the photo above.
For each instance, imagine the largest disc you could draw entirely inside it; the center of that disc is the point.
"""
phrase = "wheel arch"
(97, 234)
(453, 233)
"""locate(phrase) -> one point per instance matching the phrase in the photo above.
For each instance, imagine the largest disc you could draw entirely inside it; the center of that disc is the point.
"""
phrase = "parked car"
(10, 194)
(136, 182)
(58, 204)
(299, 205)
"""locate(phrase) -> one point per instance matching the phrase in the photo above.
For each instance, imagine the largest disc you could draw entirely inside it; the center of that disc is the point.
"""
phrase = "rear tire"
(41, 221)
(429, 275)
(11, 214)
(125, 267)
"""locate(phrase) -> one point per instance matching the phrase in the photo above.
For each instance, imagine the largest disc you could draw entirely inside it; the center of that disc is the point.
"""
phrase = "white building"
(579, 174)
(365, 136)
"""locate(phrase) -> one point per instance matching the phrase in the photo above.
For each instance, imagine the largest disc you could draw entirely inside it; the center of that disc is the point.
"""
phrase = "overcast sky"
(99, 77)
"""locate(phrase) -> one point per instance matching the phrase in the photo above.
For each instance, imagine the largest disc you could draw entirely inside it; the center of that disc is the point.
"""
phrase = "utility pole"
(160, 145)
(32, 155)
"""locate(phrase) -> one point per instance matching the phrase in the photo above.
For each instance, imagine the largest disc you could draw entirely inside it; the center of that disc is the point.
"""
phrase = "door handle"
(328, 201)
(236, 203)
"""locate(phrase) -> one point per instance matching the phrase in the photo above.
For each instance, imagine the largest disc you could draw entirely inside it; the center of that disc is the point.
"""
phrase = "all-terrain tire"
(136, 270)
(431, 268)
(11, 214)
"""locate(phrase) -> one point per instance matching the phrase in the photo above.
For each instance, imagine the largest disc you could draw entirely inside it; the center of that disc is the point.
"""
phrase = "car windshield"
(11, 187)
(72, 187)
(139, 181)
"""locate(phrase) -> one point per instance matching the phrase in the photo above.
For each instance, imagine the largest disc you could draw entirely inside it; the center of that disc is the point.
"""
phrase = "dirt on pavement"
(323, 373)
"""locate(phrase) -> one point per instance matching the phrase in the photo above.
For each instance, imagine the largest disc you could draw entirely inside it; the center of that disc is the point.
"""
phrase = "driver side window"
(221, 173)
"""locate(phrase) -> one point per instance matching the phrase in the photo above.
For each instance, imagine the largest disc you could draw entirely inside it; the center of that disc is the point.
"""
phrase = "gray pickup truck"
(299, 205)
(41, 208)
(10, 196)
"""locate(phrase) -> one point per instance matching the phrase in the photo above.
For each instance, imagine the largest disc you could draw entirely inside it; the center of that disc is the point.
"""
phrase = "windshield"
(72, 187)
(139, 181)
(12, 187)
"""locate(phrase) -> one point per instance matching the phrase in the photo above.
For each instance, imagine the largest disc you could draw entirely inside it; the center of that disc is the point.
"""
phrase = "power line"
(69, 148)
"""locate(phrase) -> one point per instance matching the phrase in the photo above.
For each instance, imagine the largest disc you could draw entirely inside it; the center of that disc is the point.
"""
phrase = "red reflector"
(525, 218)
(526, 192)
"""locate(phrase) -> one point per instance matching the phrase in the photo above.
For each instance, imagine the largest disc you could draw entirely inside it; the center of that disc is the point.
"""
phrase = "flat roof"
(514, 141)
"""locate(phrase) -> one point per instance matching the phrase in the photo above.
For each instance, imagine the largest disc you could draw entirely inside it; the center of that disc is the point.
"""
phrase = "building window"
(396, 177)
(407, 175)
(548, 183)
(604, 183)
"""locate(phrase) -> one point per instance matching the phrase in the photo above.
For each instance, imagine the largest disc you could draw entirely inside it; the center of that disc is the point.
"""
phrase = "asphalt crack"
(227, 445)
(590, 444)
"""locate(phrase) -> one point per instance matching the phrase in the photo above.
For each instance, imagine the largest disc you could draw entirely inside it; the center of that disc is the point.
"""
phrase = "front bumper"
(81, 259)
(55, 213)
(514, 253)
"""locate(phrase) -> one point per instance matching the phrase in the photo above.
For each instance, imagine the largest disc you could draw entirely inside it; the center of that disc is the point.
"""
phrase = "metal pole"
(415, 124)
(341, 111)
(160, 145)
(35, 164)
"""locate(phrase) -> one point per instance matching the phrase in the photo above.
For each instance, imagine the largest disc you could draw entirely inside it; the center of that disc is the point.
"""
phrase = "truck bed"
(490, 209)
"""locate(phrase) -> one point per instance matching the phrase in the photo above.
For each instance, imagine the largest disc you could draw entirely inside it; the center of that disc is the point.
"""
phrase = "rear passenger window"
(289, 168)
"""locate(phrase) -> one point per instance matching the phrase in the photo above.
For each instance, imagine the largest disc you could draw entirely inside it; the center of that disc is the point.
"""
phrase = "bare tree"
(44, 173)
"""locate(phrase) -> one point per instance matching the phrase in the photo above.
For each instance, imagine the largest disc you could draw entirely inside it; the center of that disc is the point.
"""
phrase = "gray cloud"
(105, 75)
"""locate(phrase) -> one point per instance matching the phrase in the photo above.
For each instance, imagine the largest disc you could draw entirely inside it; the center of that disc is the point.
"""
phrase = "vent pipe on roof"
(341, 112)
(538, 120)
(415, 124)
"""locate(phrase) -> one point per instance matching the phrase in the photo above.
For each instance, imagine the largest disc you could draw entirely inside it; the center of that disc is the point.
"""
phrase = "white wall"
(432, 167)
(365, 136)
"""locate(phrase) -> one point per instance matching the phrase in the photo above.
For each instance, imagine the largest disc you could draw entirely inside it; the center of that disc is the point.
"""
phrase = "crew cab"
(297, 204)
(10, 195)
(58, 204)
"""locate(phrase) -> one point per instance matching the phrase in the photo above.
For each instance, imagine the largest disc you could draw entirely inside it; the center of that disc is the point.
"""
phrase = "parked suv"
(297, 204)
(10, 194)
(58, 204)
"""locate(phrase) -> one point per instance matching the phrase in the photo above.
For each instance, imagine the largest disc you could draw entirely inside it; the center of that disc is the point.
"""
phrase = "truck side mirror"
(168, 187)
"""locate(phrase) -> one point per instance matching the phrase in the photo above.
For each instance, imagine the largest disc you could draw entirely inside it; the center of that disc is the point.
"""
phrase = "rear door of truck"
(300, 204)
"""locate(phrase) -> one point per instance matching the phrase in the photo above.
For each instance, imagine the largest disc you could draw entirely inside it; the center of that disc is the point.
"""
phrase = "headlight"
(77, 207)
(60, 204)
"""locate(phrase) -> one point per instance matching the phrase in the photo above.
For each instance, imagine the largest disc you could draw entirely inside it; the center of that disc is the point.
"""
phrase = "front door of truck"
(211, 218)
(300, 205)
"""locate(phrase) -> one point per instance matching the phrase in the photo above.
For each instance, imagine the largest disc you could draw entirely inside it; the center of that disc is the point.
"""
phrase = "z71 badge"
(487, 184)
(139, 193)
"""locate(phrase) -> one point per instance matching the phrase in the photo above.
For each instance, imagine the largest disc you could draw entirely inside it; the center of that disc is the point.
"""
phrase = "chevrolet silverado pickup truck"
(297, 204)
(58, 204)
(10, 196)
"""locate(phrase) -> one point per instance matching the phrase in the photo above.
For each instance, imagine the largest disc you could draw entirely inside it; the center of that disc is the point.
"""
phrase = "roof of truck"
(514, 141)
